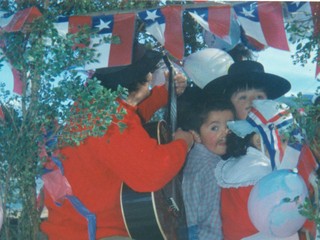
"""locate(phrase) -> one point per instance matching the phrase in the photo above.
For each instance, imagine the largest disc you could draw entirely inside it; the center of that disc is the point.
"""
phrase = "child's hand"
(180, 81)
(187, 136)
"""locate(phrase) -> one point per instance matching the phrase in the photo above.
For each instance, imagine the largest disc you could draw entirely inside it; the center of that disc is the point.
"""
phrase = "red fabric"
(22, 17)
(173, 33)
(1, 114)
(219, 20)
(150, 105)
(308, 165)
(271, 20)
(96, 169)
(236, 223)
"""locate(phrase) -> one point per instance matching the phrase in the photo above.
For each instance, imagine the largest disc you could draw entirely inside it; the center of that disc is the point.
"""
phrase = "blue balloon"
(274, 202)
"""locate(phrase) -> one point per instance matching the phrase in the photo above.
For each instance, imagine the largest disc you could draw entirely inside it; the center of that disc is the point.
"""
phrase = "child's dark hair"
(198, 113)
(237, 146)
(239, 86)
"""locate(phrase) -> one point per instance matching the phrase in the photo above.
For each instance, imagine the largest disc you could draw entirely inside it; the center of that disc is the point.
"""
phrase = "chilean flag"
(303, 11)
(165, 24)
(15, 23)
(215, 19)
(108, 26)
(300, 156)
(21, 18)
(269, 119)
(263, 21)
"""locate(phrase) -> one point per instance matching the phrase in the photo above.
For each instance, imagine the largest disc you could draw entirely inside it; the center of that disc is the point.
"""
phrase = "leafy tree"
(42, 56)
(305, 35)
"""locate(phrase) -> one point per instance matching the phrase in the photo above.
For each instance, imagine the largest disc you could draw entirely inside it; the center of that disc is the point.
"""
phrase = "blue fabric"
(270, 146)
(87, 214)
(58, 163)
(201, 194)
(193, 232)
(91, 218)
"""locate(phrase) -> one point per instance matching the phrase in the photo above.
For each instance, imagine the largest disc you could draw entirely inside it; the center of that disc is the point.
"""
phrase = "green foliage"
(308, 117)
(307, 44)
(42, 56)
(307, 41)
(310, 210)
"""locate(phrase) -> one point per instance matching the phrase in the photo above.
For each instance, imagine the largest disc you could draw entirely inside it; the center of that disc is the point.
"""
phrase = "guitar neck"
(172, 101)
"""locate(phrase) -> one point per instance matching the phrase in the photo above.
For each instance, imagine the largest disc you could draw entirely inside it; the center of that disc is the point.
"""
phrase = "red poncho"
(97, 168)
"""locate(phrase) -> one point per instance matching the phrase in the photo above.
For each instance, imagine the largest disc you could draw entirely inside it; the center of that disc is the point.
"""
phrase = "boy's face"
(242, 101)
(214, 130)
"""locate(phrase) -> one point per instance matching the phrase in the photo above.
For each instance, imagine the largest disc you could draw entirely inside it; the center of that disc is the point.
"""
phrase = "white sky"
(274, 61)
(279, 62)
(6, 77)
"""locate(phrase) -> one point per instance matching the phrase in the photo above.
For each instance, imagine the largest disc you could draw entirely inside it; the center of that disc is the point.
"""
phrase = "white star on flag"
(165, 25)
(103, 25)
(152, 15)
(247, 13)
(263, 24)
(200, 19)
(299, 137)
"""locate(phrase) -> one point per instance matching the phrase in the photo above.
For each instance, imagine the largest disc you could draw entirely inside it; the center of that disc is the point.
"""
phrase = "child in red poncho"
(250, 161)
(245, 82)
(96, 169)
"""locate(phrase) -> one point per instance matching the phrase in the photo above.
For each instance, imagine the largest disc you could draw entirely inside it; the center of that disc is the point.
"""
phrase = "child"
(246, 81)
(92, 172)
(201, 194)
(252, 157)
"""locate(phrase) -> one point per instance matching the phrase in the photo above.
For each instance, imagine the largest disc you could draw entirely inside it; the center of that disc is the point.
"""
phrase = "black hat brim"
(125, 75)
(274, 86)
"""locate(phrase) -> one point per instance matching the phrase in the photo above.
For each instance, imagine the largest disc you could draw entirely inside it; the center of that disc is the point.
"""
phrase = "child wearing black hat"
(246, 81)
(257, 152)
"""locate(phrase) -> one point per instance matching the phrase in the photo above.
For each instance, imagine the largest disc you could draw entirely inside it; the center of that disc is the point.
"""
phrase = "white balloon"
(206, 65)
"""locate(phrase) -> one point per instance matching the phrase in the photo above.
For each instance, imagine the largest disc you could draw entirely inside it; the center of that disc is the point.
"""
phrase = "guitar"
(158, 215)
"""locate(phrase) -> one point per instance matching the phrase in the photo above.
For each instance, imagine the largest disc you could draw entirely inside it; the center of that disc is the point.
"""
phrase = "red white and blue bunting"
(262, 25)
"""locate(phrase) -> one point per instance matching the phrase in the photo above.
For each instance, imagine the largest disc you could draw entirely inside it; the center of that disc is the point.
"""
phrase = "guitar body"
(156, 215)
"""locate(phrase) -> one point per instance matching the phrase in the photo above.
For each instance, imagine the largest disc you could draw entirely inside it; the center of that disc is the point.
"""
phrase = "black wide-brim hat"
(247, 74)
(144, 61)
